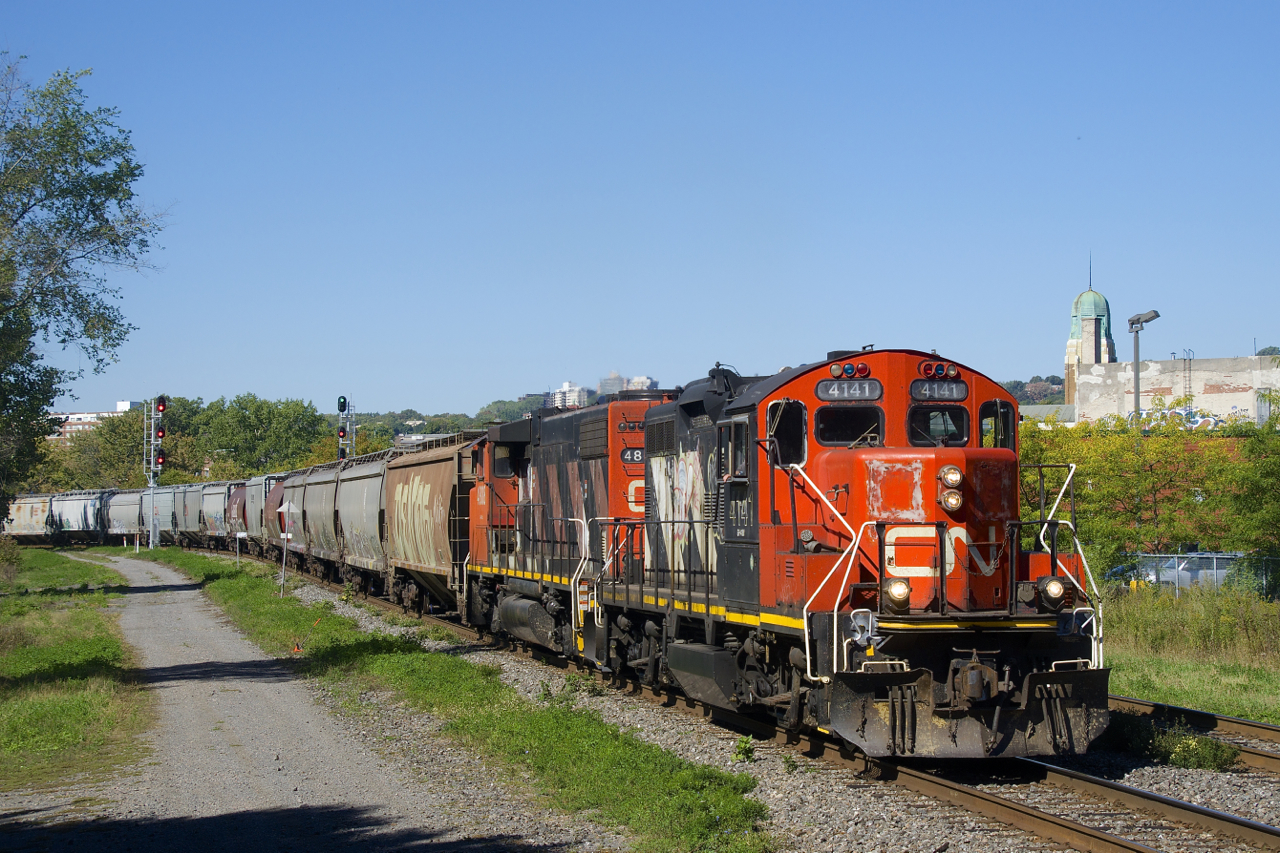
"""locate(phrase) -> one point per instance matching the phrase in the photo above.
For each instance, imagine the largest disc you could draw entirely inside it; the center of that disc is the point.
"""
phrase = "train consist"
(835, 546)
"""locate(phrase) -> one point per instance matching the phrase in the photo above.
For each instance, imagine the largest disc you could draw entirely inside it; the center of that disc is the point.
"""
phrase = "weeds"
(789, 763)
(1177, 745)
(440, 634)
(1230, 624)
(744, 749)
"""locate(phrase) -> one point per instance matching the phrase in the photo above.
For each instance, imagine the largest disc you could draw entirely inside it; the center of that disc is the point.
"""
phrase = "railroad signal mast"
(346, 429)
(156, 458)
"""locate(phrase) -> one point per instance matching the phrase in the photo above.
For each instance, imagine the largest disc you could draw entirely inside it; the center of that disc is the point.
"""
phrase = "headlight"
(1052, 592)
(952, 500)
(951, 476)
(899, 591)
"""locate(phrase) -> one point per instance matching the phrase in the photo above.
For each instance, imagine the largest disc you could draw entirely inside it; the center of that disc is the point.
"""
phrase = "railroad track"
(1217, 723)
(1022, 816)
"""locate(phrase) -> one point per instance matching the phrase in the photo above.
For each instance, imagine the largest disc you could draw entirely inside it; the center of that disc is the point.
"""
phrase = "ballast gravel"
(813, 806)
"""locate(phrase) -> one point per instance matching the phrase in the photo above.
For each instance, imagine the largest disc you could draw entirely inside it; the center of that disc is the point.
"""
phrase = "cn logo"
(918, 541)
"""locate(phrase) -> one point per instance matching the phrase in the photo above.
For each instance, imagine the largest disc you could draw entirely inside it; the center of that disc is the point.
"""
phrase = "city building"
(611, 384)
(1097, 384)
(74, 423)
(568, 396)
(1090, 342)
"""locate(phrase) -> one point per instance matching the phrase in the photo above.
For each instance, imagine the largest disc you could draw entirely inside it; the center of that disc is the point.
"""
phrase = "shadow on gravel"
(268, 670)
(305, 829)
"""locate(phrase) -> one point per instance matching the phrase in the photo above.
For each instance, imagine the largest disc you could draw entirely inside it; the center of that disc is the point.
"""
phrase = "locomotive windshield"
(848, 426)
(938, 426)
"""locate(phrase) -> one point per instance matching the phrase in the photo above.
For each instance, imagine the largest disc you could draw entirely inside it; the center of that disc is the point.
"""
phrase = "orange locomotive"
(837, 545)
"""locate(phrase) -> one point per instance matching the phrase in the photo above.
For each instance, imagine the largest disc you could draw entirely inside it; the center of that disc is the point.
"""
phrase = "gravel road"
(244, 758)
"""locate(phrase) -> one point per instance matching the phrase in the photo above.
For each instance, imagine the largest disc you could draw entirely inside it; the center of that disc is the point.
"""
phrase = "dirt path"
(243, 759)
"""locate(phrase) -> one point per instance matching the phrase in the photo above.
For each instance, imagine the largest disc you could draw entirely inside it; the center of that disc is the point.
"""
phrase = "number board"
(633, 455)
(940, 389)
(849, 389)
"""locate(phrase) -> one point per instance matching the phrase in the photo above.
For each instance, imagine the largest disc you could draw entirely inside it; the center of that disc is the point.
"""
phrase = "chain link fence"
(1177, 572)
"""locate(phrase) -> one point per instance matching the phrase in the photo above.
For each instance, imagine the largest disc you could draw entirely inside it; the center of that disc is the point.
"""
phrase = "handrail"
(1071, 472)
(794, 467)
(835, 643)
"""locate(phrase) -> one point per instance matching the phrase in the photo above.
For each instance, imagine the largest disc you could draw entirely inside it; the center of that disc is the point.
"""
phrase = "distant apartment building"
(611, 384)
(74, 423)
(568, 396)
(614, 382)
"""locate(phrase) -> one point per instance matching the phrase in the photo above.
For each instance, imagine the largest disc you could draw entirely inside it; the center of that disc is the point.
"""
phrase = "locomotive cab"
(896, 535)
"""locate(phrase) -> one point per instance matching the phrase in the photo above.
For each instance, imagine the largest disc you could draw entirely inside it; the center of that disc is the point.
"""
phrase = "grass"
(39, 568)
(68, 705)
(575, 759)
(1216, 651)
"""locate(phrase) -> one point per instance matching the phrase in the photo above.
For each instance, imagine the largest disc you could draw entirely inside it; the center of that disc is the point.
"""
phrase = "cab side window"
(788, 428)
(996, 424)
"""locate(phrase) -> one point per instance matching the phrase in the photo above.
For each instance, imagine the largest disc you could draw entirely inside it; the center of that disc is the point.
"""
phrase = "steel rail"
(1199, 719)
(1222, 823)
(1253, 757)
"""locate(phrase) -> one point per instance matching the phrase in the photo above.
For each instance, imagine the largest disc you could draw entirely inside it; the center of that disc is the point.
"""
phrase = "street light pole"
(1136, 324)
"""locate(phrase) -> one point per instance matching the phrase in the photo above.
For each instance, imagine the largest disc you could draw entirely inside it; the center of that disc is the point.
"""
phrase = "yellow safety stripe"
(516, 573)
(961, 625)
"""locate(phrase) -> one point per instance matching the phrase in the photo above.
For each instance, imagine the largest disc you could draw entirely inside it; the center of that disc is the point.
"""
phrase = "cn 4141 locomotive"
(835, 546)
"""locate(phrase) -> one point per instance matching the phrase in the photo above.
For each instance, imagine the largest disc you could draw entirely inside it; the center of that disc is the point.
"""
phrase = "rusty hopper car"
(237, 506)
(838, 545)
(291, 518)
(427, 497)
(255, 512)
(29, 520)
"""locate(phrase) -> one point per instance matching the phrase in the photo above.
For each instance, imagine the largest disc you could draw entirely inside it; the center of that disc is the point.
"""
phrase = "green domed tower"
(1090, 341)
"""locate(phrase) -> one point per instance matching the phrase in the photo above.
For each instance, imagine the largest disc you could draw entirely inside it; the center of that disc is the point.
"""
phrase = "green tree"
(1148, 491)
(249, 435)
(68, 216)
(1268, 351)
(27, 389)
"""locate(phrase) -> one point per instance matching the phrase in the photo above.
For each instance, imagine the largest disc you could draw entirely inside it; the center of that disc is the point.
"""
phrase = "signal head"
(160, 432)
(342, 453)
(342, 405)
(161, 458)
(342, 432)
(161, 404)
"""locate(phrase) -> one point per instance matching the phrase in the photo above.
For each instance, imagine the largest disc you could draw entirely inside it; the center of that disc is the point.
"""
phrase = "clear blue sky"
(433, 205)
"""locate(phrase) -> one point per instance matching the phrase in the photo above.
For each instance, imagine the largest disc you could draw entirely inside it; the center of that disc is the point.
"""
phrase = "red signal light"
(342, 432)
(161, 404)
(161, 458)
(159, 432)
